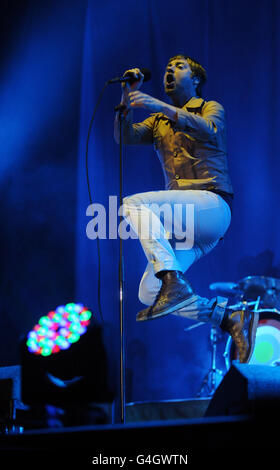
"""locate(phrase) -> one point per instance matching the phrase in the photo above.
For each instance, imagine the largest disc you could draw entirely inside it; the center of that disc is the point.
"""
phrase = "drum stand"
(210, 380)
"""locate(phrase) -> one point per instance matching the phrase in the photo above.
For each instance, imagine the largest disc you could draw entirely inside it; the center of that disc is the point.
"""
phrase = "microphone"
(130, 78)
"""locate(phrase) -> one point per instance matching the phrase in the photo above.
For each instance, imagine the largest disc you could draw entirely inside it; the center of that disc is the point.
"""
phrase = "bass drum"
(267, 344)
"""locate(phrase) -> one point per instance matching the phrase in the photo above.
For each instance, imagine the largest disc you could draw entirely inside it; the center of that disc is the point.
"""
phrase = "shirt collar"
(193, 103)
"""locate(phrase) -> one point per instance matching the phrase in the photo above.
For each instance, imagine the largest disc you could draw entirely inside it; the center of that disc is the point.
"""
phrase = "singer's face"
(178, 77)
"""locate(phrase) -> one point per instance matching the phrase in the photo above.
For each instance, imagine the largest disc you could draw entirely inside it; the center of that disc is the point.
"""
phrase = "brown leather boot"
(242, 327)
(175, 293)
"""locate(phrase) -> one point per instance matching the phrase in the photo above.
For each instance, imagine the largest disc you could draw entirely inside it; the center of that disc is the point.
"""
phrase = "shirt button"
(177, 177)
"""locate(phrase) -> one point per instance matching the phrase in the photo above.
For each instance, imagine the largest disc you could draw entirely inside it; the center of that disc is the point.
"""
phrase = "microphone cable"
(90, 199)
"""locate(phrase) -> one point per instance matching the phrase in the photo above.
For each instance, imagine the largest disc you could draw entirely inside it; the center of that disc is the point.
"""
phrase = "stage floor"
(216, 440)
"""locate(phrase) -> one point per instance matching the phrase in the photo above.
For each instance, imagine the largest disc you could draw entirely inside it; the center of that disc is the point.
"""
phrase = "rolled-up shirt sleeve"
(135, 134)
(205, 126)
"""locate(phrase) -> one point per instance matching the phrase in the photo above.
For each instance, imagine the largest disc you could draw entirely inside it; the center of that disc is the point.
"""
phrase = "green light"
(42, 331)
(42, 342)
(43, 321)
(60, 340)
(263, 352)
(74, 327)
(86, 315)
(74, 317)
(73, 338)
(31, 343)
(46, 352)
(57, 317)
(70, 307)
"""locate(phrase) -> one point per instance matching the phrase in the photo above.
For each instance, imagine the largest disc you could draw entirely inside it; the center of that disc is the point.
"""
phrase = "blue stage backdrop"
(238, 44)
(55, 58)
(41, 47)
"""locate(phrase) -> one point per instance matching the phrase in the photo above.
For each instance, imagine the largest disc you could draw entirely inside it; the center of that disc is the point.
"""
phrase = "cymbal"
(260, 283)
(225, 288)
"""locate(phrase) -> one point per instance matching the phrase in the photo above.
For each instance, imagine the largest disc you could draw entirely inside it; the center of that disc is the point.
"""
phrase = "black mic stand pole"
(120, 109)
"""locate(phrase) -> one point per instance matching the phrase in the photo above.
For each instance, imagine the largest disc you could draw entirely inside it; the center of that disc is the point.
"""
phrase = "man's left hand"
(142, 100)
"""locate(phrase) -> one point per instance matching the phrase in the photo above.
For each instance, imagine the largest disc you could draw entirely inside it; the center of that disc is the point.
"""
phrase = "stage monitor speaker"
(247, 389)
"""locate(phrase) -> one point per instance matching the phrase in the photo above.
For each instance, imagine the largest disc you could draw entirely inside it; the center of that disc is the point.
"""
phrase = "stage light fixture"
(68, 357)
(58, 329)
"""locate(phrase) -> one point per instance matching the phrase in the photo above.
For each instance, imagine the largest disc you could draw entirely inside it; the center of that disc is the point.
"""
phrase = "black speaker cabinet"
(247, 389)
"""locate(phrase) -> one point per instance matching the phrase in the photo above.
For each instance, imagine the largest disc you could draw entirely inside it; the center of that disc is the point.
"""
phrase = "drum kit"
(260, 294)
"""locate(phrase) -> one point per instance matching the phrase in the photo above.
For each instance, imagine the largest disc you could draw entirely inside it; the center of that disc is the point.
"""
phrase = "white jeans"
(204, 219)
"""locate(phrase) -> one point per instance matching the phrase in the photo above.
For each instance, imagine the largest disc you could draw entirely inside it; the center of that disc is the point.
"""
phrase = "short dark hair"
(197, 71)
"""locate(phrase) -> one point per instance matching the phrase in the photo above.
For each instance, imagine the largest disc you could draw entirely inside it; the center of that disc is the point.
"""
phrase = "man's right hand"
(127, 88)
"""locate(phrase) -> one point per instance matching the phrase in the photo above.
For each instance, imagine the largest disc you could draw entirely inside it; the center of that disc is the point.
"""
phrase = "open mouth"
(170, 86)
(169, 81)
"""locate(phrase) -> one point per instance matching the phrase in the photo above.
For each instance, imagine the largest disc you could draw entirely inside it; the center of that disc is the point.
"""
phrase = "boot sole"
(171, 309)
(252, 334)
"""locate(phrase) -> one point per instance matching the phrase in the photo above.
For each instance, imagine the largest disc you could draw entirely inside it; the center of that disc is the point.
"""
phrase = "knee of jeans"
(128, 202)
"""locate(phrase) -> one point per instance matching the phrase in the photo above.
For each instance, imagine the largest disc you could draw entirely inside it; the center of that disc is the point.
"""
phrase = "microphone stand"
(120, 109)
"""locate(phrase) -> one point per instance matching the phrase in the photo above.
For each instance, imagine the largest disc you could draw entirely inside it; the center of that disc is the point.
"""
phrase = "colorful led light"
(59, 329)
